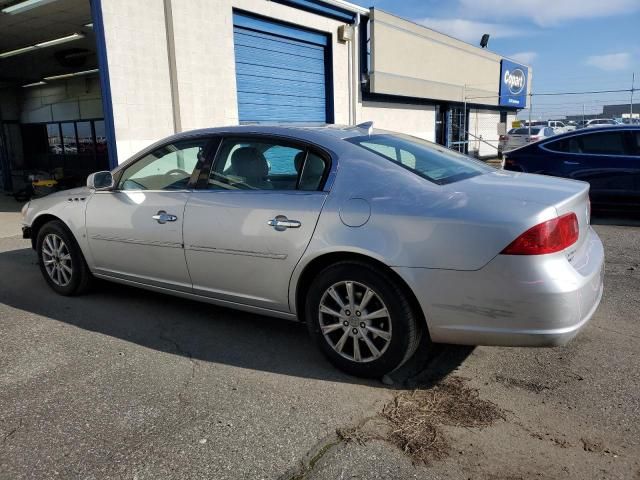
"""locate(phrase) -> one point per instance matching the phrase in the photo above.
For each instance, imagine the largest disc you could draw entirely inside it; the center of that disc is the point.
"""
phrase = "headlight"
(24, 209)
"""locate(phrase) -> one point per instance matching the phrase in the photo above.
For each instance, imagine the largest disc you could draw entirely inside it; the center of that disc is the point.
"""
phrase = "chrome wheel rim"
(355, 321)
(57, 260)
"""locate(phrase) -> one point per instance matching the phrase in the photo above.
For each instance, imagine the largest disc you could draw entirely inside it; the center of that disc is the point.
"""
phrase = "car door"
(249, 222)
(605, 161)
(135, 230)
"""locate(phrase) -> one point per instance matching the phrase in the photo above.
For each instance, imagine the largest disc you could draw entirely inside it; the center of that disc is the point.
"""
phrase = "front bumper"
(537, 301)
(26, 232)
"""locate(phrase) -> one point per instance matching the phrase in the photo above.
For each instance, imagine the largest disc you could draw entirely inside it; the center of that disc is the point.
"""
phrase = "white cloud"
(610, 62)
(547, 13)
(468, 30)
(524, 57)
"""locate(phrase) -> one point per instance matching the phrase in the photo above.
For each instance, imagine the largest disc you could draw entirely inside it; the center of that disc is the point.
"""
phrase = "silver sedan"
(372, 238)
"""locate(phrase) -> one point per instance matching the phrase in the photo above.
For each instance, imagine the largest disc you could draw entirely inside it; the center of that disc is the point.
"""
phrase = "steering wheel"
(177, 171)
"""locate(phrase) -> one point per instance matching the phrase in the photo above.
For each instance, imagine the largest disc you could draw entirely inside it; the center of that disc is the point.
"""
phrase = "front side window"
(262, 164)
(428, 160)
(168, 168)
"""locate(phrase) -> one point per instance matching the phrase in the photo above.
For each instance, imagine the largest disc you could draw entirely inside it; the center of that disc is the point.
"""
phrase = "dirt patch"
(414, 420)
(522, 384)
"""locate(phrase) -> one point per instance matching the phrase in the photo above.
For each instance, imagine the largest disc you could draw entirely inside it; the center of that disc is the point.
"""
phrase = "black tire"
(80, 276)
(404, 321)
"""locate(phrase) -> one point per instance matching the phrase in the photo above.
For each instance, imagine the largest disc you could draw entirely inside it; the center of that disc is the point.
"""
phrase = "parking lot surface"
(123, 383)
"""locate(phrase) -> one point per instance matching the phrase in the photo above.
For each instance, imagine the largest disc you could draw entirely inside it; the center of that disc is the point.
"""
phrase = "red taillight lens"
(503, 138)
(548, 237)
(534, 139)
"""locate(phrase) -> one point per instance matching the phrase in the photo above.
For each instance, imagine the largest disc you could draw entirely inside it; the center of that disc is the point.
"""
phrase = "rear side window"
(264, 164)
(600, 143)
(603, 143)
(428, 160)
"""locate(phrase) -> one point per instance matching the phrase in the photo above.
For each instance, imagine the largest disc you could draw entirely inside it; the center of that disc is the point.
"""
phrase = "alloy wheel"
(355, 321)
(57, 260)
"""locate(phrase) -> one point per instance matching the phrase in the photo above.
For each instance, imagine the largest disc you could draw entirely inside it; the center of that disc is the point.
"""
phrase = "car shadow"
(197, 330)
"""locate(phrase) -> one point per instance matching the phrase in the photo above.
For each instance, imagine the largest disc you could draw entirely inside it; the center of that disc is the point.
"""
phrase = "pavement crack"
(311, 459)
(12, 432)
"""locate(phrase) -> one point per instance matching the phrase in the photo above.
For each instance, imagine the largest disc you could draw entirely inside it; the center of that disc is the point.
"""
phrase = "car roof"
(604, 128)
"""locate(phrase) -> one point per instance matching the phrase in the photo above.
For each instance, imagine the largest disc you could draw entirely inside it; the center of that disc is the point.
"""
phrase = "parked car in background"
(372, 238)
(600, 122)
(519, 137)
(608, 158)
(502, 141)
(570, 126)
(558, 126)
(581, 124)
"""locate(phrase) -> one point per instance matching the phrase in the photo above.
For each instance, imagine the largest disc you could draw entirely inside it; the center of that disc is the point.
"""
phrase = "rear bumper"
(534, 301)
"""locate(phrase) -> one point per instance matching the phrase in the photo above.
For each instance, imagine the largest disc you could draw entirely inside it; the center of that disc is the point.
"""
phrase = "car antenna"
(368, 126)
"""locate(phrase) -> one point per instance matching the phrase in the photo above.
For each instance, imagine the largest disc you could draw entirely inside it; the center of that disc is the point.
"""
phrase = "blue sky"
(572, 45)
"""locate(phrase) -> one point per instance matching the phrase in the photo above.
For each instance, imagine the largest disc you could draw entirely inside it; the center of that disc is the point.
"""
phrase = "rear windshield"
(525, 131)
(428, 160)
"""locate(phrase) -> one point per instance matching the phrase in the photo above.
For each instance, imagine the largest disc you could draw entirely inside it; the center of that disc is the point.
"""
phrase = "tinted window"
(249, 164)
(428, 160)
(603, 143)
(168, 168)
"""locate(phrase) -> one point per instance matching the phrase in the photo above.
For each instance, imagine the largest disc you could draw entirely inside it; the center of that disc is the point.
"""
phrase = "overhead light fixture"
(17, 51)
(34, 84)
(24, 6)
(48, 43)
(69, 75)
(57, 41)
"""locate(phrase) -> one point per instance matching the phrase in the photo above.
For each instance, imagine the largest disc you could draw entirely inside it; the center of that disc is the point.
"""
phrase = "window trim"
(328, 176)
(623, 131)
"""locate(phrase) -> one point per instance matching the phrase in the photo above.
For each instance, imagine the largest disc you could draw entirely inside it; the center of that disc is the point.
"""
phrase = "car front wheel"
(60, 259)
(361, 319)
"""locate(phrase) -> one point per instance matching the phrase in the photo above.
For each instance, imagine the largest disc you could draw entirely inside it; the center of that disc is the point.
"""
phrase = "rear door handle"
(567, 162)
(281, 223)
(164, 217)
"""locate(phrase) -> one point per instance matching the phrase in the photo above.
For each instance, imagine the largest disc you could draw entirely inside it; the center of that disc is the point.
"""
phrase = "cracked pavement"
(123, 383)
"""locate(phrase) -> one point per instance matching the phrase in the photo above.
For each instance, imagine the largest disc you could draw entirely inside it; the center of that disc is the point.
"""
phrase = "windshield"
(428, 160)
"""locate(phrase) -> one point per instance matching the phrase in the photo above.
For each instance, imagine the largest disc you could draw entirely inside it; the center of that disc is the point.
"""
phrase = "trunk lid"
(562, 194)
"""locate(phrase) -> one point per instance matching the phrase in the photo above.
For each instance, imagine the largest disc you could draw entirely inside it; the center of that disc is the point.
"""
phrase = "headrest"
(248, 162)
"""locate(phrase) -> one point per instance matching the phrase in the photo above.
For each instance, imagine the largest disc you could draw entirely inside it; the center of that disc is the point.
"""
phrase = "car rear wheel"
(361, 319)
(61, 261)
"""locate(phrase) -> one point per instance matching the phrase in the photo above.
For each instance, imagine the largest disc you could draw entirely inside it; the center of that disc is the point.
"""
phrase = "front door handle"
(567, 162)
(164, 217)
(281, 223)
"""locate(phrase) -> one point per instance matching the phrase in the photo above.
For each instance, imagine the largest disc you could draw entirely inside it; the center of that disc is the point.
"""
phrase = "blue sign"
(513, 84)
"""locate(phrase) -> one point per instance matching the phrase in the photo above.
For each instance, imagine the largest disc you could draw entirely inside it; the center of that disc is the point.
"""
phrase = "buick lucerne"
(372, 238)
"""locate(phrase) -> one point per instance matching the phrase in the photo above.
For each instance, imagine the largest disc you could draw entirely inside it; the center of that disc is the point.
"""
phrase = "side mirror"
(100, 181)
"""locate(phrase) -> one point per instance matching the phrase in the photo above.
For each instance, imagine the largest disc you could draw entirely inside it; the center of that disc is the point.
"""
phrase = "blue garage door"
(281, 72)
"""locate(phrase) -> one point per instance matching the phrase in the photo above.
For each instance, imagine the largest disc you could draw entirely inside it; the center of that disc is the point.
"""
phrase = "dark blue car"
(606, 157)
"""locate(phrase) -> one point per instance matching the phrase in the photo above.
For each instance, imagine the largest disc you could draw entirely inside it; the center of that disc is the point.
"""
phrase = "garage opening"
(282, 72)
(51, 117)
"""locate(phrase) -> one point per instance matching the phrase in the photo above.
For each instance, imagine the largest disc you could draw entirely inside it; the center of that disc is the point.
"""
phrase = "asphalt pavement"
(124, 383)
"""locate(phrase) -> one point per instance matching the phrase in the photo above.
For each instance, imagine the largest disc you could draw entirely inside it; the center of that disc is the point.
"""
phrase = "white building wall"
(417, 120)
(138, 61)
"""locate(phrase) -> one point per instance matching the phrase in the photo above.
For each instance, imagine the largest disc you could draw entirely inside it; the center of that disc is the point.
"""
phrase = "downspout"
(173, 71)
(355, 70)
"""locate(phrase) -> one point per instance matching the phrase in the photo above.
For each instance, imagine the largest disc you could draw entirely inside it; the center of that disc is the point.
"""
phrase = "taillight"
(503, 138)
(548, 237)
(533, 139)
